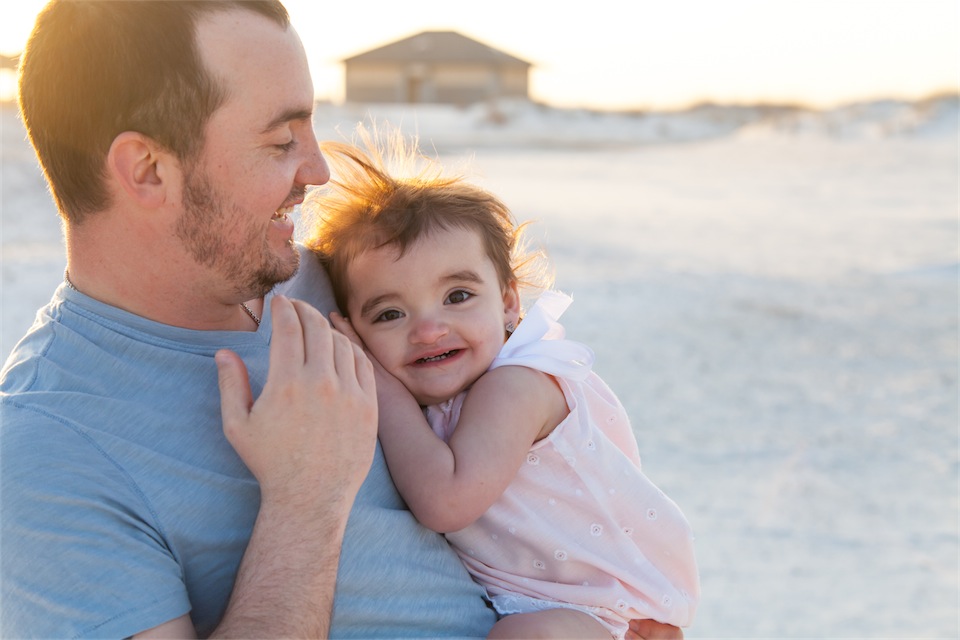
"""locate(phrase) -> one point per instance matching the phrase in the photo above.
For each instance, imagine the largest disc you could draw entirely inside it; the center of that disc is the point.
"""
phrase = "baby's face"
(435, 317)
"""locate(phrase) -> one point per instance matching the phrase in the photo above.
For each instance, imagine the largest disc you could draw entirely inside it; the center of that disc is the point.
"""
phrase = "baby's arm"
(449, 485)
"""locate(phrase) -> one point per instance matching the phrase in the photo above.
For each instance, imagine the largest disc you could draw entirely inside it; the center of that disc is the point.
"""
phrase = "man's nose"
(313, 168)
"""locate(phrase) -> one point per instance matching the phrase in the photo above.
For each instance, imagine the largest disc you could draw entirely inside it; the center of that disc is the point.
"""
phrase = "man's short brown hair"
(93, 69)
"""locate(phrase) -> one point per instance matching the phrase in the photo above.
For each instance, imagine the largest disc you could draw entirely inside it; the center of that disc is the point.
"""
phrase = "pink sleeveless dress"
(580, 526)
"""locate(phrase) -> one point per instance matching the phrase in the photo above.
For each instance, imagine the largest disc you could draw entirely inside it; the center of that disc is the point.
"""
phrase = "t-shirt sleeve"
(82, 553)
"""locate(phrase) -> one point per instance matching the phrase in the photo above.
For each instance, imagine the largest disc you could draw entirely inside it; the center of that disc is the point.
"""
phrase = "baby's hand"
(390, 391)
(653, 630)
(344, 326)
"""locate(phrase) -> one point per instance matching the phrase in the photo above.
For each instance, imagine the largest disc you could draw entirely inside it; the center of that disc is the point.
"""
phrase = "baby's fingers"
(344, 326)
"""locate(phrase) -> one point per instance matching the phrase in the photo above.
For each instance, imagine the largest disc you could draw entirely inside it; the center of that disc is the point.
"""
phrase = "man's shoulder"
(22, 366)
(310, 284)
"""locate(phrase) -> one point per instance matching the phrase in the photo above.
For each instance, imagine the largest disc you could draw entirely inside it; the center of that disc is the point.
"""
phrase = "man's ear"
(141, 167)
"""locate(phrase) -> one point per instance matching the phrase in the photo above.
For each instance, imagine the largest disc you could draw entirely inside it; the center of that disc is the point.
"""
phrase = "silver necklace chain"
(249, 312)
(66, 278)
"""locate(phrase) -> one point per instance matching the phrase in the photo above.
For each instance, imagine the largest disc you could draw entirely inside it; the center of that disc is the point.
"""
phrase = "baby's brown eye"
(458, 296)
(389, 314)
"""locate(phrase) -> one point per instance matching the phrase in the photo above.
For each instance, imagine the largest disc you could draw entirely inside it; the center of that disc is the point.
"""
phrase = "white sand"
(774, 300)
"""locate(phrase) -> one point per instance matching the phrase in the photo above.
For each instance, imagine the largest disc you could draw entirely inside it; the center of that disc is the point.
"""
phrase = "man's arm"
(309, 440)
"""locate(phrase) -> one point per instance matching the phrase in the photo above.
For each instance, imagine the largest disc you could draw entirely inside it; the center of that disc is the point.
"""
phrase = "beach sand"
(776, 304)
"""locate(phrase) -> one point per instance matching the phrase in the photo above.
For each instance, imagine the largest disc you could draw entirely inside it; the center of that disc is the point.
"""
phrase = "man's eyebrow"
(286, 116)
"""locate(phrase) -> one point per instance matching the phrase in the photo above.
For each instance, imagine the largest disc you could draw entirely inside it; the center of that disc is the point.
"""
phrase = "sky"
(641, 54)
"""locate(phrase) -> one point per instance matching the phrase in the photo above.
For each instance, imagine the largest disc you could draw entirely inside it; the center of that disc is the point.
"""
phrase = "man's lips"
(296, 197)
(287, 208)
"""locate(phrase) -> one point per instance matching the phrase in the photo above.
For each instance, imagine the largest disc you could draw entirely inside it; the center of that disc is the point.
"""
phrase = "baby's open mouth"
(442, 356)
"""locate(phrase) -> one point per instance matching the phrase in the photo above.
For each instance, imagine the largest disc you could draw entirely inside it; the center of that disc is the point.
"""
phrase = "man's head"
(94, 69)
(178, 129)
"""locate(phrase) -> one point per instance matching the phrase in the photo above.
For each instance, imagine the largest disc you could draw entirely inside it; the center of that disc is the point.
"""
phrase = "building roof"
(434, 46)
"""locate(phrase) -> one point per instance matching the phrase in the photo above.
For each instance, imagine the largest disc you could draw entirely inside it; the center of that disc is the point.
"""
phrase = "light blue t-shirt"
(123, 506)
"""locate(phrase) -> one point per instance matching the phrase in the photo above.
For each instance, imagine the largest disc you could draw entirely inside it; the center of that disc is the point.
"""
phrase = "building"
(435, 67)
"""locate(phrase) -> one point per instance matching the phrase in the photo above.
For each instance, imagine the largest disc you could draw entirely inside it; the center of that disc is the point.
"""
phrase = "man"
(138, 499)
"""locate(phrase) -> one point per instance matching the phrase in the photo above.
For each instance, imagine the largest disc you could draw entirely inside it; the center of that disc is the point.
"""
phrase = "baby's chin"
(426, 400)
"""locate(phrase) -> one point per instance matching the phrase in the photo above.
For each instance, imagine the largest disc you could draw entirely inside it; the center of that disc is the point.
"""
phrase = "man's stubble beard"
(202, 228)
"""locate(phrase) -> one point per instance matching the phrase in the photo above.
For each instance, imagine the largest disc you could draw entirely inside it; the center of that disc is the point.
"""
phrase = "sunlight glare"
(646, 55)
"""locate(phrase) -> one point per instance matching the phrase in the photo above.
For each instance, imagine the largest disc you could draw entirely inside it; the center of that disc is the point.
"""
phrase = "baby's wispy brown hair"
(385, 192)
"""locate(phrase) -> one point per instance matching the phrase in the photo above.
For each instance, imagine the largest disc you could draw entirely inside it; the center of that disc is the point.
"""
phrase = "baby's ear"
(140, 167)
(511, 304)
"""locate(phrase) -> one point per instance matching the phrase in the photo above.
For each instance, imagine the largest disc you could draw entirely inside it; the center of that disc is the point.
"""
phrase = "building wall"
(371, 82)
(442, 83)
(514, 82)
